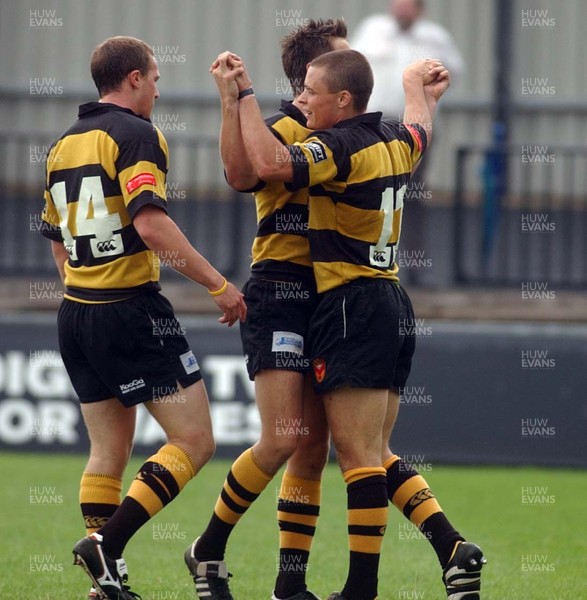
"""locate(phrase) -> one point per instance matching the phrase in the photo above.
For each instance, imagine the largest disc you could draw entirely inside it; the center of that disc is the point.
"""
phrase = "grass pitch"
(530, 523)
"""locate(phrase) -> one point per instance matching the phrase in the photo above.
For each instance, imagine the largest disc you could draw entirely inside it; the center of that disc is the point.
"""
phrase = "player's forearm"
(60, 256)
(164, 237)
(240, 173)
(431, 102)
(270, 158)
(417, 107)
(198, 269)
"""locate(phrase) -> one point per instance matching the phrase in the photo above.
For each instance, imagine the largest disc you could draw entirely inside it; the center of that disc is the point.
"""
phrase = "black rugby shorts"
(362, 336)
(134, 350)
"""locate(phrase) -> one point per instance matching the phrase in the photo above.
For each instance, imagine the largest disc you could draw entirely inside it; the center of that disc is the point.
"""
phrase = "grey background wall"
(51, 40)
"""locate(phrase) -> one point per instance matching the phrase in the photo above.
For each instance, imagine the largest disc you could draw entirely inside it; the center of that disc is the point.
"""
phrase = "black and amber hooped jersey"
(101, 171)
(281, 249)
(357, 174)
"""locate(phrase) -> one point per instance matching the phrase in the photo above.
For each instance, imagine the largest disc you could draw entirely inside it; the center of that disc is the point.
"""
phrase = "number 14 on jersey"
(100, 227)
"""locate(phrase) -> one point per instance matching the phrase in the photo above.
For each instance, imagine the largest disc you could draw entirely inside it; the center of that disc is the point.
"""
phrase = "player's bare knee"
(111, 458)
(205, 448)
(356, 458)
(200, 456)
(204, 452)
(310, 457)
(279, 447)
(198, 445)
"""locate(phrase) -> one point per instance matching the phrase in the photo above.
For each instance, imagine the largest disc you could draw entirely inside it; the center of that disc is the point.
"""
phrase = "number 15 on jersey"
(381, 254)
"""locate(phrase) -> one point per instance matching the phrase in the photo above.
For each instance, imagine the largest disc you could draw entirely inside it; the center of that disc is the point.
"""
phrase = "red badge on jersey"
(416, 135)
(319, 365)
(138, 180)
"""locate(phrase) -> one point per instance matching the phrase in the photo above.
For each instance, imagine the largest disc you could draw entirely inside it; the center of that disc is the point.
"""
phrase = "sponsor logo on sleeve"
(138, 180)
(317, 151)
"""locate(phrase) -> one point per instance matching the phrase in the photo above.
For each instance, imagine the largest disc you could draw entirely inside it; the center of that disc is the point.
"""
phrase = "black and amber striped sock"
(157, 483)
(410, 493)
(297, 514)
(244, 482)
(367, 519)
(99, 497)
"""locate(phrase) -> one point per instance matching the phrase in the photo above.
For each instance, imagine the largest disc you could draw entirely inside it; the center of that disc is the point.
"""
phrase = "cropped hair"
(347, 70)
(115, 58)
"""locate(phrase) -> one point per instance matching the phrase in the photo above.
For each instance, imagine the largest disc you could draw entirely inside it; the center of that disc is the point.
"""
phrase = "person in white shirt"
(392, 41)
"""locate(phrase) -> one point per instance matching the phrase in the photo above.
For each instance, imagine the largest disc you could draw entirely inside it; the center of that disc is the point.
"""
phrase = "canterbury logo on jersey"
(380, 258)
(108, 246)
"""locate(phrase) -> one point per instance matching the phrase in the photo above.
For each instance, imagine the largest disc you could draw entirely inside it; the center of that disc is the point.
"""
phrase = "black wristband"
(246, 92)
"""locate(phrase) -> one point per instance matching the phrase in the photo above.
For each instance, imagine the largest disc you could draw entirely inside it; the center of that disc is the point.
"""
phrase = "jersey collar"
(91, 109)
(371, 118)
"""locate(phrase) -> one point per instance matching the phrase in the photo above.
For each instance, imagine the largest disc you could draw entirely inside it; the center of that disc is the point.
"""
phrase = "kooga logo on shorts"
(135, 384)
